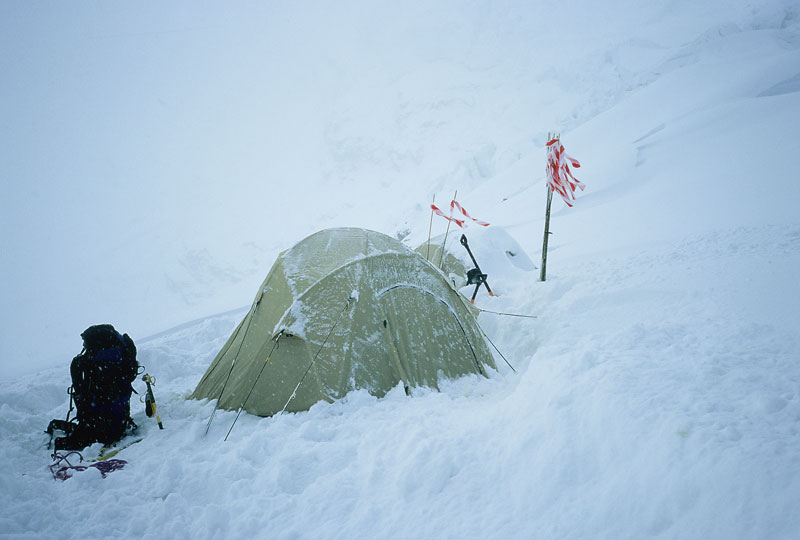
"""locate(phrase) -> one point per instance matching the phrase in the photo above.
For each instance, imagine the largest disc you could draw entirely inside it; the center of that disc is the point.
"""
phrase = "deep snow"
(656, 394)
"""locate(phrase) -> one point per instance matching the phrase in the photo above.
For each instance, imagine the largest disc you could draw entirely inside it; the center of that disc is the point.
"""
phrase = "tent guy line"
(294, 392)
(266, 361)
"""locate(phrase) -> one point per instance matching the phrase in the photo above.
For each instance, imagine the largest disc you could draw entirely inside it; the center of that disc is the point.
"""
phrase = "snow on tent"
(358, 307)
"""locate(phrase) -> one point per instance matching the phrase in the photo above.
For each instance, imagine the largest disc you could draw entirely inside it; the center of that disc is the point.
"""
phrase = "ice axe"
(475, 276)
(150, 400)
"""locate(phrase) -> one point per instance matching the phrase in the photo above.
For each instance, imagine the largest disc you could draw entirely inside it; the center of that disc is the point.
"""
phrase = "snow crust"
(157, 160)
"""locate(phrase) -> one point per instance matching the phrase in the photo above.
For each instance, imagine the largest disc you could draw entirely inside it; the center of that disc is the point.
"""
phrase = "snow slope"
(656, 394)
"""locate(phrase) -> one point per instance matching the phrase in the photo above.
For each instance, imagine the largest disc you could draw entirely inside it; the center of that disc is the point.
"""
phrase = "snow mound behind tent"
(498, 254)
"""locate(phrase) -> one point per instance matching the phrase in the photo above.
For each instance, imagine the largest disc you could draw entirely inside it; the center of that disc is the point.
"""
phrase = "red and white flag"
(438, 212)
(454, 205)
(559, 175)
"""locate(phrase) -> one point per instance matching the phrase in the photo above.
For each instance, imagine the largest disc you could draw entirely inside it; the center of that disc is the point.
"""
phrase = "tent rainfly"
(344, 309)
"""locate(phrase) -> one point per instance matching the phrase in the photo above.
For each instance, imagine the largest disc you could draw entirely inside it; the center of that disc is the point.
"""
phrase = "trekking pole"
(150, 400)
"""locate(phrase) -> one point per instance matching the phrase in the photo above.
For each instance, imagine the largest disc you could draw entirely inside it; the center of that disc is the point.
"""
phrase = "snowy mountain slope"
(196, 126)
(656, 394)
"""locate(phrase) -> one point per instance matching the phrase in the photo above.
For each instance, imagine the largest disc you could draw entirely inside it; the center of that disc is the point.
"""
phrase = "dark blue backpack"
(101, 382)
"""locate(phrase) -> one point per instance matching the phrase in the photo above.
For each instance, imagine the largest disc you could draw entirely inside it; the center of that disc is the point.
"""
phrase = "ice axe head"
(475, 277)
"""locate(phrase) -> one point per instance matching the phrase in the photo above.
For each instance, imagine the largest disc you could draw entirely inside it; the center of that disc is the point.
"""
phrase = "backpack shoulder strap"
(129, 356)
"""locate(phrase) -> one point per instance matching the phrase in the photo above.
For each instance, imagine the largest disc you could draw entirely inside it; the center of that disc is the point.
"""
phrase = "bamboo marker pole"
(441, 259)
(543, 270)
(430, 227)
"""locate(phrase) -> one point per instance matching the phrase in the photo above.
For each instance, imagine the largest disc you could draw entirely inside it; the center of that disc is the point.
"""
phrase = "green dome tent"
(344, 309)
